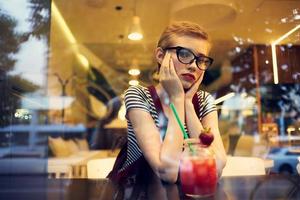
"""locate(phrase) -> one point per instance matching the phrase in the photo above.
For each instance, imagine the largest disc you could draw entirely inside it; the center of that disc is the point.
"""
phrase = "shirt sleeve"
(208, 104)
(135, 98)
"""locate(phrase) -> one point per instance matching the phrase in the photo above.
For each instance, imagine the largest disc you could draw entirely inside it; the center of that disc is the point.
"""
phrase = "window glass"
(64, 67)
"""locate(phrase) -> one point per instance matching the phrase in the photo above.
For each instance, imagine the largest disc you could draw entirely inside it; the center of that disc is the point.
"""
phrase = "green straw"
(185, 135)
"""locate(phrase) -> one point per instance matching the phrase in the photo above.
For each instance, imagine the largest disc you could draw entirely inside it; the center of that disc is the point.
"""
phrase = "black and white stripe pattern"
(139, 97)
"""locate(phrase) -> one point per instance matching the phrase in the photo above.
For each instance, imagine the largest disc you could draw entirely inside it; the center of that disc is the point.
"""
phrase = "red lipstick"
(188, 77)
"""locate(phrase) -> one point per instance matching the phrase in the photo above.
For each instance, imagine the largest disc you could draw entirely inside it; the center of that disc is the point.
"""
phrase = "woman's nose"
(193, 66)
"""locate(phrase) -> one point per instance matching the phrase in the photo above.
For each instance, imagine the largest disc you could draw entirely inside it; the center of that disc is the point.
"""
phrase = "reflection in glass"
(24, 38)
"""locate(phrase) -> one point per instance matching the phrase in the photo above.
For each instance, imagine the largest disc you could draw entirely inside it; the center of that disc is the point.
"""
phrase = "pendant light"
(135, 30)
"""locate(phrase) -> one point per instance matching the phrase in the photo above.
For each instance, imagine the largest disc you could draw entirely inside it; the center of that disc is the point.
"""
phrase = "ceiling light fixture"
(69, 35)
(274, 56)
(199, 11)
(83, 60)
(133, 82)
(134, 72)
(135, 30)
(62, 23)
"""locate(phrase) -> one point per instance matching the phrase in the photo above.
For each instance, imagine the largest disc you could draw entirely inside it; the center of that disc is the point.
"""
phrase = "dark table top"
(240, 188)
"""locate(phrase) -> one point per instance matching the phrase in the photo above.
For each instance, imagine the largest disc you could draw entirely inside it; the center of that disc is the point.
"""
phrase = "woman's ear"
(159, 54)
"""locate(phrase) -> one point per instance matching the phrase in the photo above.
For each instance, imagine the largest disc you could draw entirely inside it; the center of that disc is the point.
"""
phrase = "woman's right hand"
(169, 79)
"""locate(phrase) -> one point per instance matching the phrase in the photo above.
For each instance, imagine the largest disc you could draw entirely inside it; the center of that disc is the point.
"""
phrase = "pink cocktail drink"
(198, 173)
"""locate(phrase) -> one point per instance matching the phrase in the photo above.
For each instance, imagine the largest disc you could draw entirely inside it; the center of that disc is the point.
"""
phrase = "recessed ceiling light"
(118, 8)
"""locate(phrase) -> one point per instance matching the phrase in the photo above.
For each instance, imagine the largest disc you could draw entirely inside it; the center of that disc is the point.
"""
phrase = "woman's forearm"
(172, 144)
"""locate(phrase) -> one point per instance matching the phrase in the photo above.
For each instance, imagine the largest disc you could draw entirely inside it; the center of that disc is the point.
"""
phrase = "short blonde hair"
(181, 28)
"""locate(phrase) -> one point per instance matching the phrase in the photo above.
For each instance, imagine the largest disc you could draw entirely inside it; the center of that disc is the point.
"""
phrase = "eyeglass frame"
(177, 48)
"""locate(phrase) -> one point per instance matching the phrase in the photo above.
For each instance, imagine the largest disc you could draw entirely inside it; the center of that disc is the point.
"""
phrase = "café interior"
(65, 66)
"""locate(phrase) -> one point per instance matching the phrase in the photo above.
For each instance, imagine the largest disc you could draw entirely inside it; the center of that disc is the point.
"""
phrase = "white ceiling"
(101, 28)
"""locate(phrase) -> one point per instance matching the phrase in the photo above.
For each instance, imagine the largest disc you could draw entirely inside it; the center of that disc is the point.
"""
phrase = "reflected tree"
(12, 87)
(39, 20)
(9, 41)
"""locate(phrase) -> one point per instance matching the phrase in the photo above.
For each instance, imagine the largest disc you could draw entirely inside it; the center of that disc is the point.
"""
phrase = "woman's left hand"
(192, 91)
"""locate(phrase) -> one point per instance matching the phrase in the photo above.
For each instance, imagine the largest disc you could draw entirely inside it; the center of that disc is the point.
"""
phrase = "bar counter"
(231, 188)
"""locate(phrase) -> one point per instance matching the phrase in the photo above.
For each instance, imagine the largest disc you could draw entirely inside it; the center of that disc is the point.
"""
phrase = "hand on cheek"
(169, 79)
(194, 88)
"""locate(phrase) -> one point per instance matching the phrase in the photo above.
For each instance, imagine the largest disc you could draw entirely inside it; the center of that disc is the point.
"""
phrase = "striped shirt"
(139, 97)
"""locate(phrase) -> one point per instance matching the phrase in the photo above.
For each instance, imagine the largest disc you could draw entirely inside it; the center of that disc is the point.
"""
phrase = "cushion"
(72, 146)
(82, 144)
(58, 147)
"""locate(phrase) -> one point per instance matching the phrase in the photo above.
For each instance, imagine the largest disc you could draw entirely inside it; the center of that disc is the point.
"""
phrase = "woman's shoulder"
(206, 103)
(137, 88)
(137, 97)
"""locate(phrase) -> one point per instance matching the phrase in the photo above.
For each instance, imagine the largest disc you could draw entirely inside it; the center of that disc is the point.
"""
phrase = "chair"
(244, 166)
(99, 168)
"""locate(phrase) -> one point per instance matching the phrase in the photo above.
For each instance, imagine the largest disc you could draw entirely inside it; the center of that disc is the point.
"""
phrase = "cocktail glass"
(198, 171)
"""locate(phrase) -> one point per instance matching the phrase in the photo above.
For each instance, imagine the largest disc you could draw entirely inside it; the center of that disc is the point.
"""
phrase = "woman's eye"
(185, 54)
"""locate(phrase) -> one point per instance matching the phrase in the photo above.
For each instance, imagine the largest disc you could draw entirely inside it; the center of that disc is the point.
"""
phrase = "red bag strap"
(156, 100)
(196, 104)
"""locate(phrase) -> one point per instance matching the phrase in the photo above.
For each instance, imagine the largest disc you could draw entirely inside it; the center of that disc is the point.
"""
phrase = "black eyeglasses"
(186, 56)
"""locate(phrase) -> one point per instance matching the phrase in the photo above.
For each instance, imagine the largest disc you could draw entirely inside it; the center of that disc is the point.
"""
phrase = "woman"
(155, 141)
